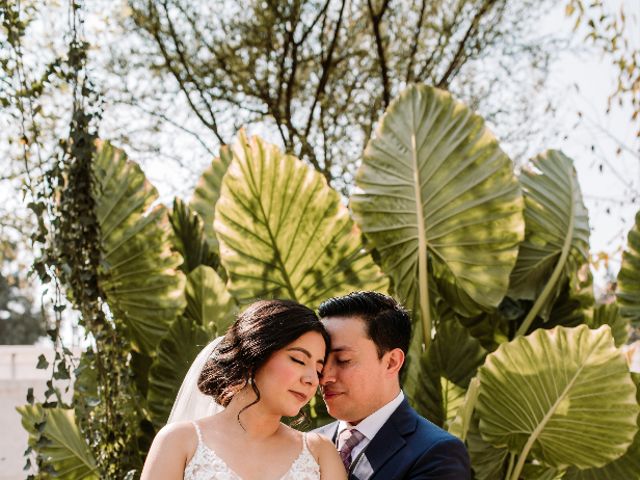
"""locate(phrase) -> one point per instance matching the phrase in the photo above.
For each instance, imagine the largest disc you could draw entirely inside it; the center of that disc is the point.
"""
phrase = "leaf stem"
(423, 279)
(512, 457)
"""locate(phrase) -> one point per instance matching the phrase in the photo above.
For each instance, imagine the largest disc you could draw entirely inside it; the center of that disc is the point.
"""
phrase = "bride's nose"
(310, 378)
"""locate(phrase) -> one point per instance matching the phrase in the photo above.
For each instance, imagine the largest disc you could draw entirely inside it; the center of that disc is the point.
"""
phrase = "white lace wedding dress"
(206, 465)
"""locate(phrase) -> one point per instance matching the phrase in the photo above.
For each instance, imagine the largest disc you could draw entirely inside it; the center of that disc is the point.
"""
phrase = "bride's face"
(289, 378)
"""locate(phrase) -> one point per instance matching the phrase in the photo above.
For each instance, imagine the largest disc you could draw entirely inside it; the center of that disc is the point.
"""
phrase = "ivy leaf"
(43, 364)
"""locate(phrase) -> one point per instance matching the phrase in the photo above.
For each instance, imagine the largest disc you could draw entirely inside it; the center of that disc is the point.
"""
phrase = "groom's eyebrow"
(341, 349)
(304, 351)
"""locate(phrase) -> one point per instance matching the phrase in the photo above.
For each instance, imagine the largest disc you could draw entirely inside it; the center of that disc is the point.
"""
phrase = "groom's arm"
(446, 460)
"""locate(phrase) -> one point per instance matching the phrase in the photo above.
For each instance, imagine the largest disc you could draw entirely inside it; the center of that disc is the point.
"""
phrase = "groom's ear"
(394, 360)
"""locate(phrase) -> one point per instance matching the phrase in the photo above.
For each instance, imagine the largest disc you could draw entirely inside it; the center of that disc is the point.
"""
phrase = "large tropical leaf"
(452, 360)
(627, 466)
(488, 462)
(139, 273)
(439, 200)
(629, 277)
(189, 238)
(609, 314)
(176, 352)
(574, 305)
(497, 327)
(462, 422)
(556, 243)
(54, 434)
(209, 304)
(207, 193)
(284, 232)
(541, 472)
(210, 310)
(563, 396)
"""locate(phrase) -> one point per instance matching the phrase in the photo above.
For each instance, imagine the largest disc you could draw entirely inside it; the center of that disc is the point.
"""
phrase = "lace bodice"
(206, 465)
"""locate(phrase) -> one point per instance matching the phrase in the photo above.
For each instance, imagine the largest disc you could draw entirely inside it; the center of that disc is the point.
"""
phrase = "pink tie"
(347, 440)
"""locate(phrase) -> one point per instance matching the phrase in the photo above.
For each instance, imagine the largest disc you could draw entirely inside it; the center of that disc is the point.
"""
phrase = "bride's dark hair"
(263, 328)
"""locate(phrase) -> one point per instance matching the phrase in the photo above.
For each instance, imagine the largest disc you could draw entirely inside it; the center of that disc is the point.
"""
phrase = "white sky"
(588, 79)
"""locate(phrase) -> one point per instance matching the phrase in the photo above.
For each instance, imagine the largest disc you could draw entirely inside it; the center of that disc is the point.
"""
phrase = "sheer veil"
(191, 404)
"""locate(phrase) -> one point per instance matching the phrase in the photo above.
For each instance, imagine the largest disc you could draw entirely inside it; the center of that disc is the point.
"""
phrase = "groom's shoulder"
(427, 434)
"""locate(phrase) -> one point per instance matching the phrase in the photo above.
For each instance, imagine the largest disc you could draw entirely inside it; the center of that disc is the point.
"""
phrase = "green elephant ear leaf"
(210, 310)
(207, 193)
(139, 272)
(284, 232)
(541, 472)
(627, 466)
(555, 395)
(488, 462)
(629, 277)
(439, 201)
(209, 304)
(176, 352)
(54, 434)
(189, 238)
(556, 243)
(609, 314)
(461, 424)
(447, 368)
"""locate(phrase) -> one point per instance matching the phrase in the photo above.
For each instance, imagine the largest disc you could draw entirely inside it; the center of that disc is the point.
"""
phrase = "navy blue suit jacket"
(408, 447)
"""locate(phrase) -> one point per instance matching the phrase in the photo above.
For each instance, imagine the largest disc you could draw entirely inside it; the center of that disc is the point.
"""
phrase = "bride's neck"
(255, 421)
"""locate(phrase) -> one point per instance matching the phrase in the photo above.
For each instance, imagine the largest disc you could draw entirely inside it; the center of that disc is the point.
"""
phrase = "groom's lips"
(329, 395)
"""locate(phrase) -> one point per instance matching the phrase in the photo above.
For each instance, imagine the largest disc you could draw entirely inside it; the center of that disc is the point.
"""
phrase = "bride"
(267, 366)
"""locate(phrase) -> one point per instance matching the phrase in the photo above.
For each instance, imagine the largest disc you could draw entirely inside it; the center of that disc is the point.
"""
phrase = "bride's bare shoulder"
(170, 451)
(327, 457)
(319, 445)
(182, 434)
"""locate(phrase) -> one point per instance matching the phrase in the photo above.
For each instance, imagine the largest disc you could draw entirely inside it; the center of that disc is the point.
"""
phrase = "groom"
(379, 436)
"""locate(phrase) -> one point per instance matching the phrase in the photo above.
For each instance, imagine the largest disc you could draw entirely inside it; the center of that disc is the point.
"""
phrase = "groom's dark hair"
(387, 322)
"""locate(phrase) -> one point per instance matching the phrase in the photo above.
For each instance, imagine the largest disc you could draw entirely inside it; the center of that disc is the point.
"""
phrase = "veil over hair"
(191, 403)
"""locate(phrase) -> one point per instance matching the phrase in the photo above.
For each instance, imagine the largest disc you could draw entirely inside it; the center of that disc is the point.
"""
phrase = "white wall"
(17, 373)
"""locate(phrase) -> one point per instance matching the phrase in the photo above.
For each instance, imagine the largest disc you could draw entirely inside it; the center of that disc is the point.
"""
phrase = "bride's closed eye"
(297, 361)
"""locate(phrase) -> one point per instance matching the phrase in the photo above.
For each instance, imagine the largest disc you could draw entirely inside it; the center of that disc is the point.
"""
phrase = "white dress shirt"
(371, 424)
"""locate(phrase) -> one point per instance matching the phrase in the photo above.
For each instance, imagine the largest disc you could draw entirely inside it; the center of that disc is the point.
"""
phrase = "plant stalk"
(423, 278)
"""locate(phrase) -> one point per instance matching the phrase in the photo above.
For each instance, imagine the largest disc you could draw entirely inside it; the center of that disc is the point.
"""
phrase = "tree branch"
(458, 56)
(326, 68)
(376, 19)
(185, 64)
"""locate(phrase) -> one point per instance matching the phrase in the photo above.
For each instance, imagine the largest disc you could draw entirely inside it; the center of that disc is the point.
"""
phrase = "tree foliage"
(319, 73)
(20, 322)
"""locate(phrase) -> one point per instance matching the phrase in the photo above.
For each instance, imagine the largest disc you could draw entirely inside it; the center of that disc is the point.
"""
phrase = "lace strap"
(198, 432)
(305, 443)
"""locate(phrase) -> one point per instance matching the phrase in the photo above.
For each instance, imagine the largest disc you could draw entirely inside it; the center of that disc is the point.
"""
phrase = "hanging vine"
(68, 237)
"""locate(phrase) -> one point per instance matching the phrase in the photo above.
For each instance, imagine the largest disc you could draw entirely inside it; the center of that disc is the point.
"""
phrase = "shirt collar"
(374, 422)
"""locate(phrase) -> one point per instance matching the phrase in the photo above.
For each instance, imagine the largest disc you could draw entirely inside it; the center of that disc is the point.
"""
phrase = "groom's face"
(354, 378)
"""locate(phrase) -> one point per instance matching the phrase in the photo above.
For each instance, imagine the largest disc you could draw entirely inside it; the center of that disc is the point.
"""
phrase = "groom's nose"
(328, 374)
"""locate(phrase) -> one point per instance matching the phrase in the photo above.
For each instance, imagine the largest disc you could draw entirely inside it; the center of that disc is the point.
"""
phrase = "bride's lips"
(300, 396)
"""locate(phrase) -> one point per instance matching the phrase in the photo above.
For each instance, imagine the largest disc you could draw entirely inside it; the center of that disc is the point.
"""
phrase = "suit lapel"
(388, 440)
